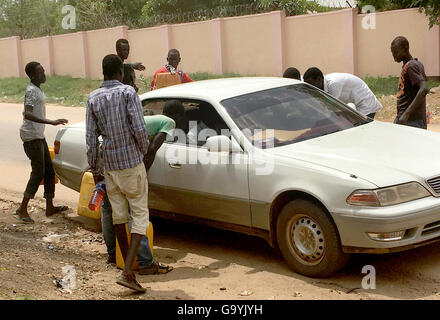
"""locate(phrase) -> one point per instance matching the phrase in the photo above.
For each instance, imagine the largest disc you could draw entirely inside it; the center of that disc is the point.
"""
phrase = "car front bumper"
(420, 219)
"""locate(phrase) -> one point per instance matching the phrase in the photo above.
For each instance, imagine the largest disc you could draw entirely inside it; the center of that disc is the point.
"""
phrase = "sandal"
(58, 210)
(23, 219)
(130, 282)
(155, 268)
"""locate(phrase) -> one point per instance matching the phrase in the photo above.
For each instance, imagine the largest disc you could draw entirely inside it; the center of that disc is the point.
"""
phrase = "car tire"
(309, 240)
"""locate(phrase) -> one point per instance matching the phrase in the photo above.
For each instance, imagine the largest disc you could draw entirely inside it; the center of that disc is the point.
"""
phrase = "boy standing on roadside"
(35, 146)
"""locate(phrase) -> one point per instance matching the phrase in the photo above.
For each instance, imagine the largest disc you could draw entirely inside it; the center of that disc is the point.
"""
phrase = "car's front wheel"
(309, 240)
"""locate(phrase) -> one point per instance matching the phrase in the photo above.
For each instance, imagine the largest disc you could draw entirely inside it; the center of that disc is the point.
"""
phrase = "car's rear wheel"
(309, 240)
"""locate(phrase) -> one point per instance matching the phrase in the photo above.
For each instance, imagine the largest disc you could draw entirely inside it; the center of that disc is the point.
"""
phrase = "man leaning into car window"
(346, 87)
(114, 111)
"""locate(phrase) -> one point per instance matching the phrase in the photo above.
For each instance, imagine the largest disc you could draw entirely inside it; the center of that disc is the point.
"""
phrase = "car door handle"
(175, 165)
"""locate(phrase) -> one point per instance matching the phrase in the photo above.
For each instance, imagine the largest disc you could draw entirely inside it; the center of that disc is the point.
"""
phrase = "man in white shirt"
(346, 87)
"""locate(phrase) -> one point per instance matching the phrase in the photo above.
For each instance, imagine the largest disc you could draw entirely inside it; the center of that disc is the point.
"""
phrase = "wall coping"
(10, 38)
(393, 11)
(319, 14)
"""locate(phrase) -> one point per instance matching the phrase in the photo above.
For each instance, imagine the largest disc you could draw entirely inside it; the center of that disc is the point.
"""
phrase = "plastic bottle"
(97, 196)
(428, 117)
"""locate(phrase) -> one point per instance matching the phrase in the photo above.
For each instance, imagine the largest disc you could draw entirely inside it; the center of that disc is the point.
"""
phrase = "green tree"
(208, 9)
(430, 7)
(30, 18)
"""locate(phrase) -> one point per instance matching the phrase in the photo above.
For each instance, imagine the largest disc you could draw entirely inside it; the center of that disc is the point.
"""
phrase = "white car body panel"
(327, 168)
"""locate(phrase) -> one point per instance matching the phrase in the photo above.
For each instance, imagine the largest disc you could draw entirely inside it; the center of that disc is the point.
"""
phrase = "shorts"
(129, 187)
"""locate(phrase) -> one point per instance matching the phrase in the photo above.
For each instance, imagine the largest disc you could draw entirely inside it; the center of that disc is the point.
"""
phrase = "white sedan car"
(282, 160)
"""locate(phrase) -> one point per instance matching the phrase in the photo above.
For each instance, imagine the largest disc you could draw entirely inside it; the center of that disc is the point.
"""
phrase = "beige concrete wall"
(373, 45)
(316, 41)
(101, 43)
(149, 46)
(196, 50)
(37, 49)
(248, 45)
(68, 55)
(11, 59)
(262, 45)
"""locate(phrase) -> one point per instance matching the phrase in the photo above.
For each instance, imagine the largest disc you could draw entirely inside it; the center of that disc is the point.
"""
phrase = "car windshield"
(290, 114)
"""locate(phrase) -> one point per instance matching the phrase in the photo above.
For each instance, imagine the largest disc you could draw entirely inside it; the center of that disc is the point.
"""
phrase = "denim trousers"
(38, 152)
(144, 255)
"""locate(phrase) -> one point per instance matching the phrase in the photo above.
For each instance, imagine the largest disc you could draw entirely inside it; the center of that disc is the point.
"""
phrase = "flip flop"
(131, 283)
(58, 210)
(156, 268)
(23, 219)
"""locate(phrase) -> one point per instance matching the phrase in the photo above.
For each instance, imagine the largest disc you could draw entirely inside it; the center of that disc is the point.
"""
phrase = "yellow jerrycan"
(87, 187)
(120, 261)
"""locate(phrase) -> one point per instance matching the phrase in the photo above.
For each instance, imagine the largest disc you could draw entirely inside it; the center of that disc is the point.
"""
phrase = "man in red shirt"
(171, 67)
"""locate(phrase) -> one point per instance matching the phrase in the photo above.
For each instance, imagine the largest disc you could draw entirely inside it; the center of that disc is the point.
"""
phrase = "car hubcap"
(307, 239)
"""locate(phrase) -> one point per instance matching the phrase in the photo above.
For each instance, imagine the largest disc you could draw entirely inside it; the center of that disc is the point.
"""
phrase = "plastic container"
(97, 196)
(428, 117)
(52, 156)
(87, 187)
(120, 261)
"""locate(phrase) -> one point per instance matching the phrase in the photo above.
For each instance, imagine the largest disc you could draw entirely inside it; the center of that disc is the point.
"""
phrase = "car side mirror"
(352, 105)
(222, 144)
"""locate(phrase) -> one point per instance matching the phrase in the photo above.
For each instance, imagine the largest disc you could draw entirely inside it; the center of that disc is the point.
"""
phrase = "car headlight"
(388, 196)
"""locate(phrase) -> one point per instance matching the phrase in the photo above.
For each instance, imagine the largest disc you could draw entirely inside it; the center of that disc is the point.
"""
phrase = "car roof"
(219, 89)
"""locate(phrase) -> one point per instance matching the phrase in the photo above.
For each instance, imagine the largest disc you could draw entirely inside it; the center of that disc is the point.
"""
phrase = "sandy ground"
(209, 263)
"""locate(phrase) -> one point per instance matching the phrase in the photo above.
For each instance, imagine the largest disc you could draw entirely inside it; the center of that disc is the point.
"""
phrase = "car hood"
(383, 153)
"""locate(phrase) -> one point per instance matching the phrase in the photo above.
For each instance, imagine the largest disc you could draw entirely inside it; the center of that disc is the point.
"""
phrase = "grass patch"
(69, 91)
(58, 89)
(386, 86)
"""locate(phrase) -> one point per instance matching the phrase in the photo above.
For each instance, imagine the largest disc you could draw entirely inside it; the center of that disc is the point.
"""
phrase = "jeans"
(41, 162)
(144, 255)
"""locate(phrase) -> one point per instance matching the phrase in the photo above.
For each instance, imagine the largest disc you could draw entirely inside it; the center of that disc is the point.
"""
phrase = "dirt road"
(209, 263)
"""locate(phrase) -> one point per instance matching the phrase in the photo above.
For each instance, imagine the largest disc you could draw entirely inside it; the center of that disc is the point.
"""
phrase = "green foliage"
(166, 11)
(430, 7)
(30, 18)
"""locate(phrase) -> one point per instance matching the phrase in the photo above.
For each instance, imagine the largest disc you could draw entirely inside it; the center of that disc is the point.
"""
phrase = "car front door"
(207, 184)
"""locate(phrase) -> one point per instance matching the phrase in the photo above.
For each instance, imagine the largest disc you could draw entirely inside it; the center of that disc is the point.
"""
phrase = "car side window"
(204, 122)
(200, 122)
(153, 106)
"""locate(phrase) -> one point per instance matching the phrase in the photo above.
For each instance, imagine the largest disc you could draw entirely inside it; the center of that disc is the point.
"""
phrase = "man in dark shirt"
(411, 97)
(123, 51)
